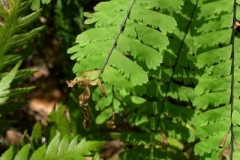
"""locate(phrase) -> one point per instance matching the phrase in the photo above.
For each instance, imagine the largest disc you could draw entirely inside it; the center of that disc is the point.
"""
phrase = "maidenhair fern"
(150, 65)
(149, 72)
(169, 69)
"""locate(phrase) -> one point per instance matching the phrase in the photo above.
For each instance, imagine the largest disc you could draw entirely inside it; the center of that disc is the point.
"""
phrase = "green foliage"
(159, 70)
(59, 120)
(14, 37)
(134, 33)
(217, 123)
(68, 24)
(35, 4)
(144, 64)
(169, 70)
(5, 84)
(64, 148)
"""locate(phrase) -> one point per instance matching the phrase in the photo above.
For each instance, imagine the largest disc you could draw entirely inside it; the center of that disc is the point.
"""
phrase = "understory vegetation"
(139, 79)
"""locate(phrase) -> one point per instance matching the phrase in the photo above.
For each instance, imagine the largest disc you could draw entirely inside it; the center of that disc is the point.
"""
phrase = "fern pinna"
(217, 122)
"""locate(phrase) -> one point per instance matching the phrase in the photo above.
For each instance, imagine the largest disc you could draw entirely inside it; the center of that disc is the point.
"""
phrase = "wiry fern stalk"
(217, 124)
(13, 35)
(233, 92)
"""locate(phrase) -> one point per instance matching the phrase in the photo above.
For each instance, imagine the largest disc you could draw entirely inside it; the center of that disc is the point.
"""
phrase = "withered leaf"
(236, 24)
(226, 152)
(223, 141)
(100, 85)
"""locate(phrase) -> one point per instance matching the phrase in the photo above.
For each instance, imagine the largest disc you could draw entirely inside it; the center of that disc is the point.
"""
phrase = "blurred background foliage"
(62, 21)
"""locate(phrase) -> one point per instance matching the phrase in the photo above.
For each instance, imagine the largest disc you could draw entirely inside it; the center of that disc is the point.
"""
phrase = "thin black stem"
(116, 39)
(232, 80)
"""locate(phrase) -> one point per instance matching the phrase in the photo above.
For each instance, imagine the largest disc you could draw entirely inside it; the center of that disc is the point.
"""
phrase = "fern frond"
(59, 148)
(13, 34)
(137, 40)
(170, 89)
(144, 44)
(124, 45)
(218, 95)
(14, 21)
